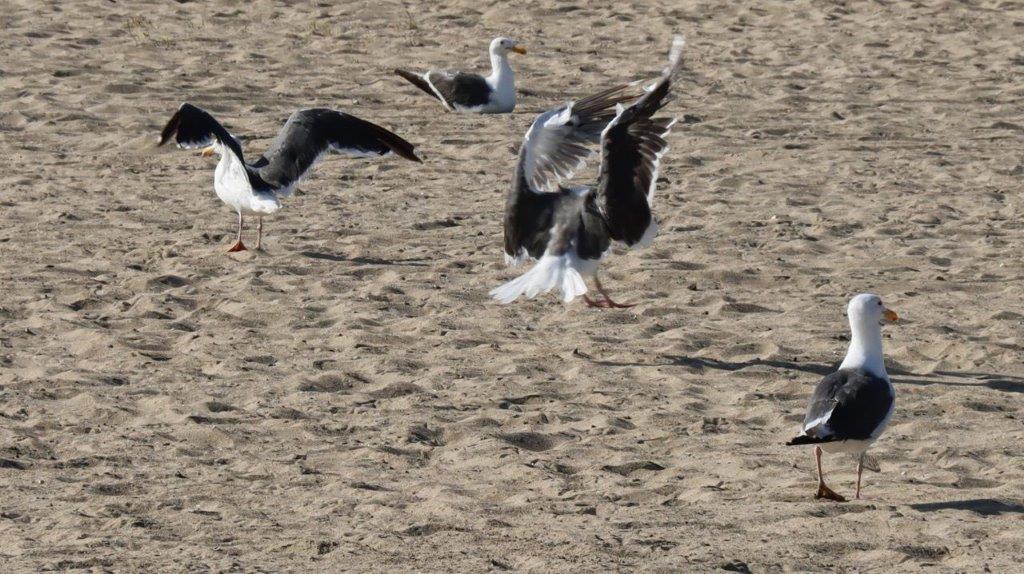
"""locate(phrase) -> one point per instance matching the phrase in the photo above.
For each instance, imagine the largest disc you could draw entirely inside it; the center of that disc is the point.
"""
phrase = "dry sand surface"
(351, 400)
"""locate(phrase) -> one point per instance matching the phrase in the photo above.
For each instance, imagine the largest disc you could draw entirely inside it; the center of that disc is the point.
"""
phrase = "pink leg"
(607, 298)
(860, 470)
(259, 232)
(238, 246)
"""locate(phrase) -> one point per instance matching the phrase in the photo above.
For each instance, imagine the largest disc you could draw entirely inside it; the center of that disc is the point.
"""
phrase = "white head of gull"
(866, 314)
(502, 80)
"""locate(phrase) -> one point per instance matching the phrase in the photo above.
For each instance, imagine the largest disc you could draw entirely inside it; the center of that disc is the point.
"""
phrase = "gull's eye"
(879, 303)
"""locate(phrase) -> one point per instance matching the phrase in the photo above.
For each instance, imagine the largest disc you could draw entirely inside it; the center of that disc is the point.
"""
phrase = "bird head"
(502, 46)
(867, 308)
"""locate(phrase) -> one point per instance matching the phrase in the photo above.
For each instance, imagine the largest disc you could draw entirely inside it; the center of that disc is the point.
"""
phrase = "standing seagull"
(463, 92)
(254, 188)
(569, 229)
(852, 406)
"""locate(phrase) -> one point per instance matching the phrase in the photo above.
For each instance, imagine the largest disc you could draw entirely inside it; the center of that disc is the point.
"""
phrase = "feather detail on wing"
(632, 145)
(458, 89)
(194, 127)
(675, 56)
(309, 134)
(561, 140)
(849, 404)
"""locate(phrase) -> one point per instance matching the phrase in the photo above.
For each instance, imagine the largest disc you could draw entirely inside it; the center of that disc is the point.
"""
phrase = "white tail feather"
(264, 203)
(550, 272)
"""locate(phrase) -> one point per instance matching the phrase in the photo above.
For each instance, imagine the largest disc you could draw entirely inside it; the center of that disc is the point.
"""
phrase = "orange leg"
(824, 491)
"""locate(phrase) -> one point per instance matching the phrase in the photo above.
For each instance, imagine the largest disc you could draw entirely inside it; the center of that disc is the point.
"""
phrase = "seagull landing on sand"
(852, 406)
(462, 92)
(254, 189)
(569, 229)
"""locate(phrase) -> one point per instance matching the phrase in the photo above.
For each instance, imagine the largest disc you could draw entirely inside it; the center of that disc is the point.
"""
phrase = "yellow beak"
(207, 151)
(518, 49)
(890, 316)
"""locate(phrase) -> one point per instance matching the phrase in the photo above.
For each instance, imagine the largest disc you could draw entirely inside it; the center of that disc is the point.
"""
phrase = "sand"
(350, 400)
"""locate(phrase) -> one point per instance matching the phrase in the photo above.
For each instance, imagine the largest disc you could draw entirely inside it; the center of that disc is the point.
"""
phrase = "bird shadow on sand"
(982, 506)
(901, 376)
(412, 261)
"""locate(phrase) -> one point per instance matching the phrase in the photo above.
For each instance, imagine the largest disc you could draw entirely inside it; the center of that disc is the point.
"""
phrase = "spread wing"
(308, 134)
(561, 140)
(556, 146)
(631, 149)
(193, 127)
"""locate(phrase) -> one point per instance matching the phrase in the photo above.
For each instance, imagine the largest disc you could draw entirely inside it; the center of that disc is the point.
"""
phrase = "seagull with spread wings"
(254, 189)
(568, 230)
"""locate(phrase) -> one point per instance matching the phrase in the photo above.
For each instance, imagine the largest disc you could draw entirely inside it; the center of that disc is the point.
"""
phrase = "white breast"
(231, 182)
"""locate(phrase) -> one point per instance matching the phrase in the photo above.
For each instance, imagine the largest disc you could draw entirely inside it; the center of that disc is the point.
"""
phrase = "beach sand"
(351, 400)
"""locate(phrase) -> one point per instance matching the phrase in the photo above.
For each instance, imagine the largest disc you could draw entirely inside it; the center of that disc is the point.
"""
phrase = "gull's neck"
(227, 156)
(230, 172)
(865, 350)
(501, 77)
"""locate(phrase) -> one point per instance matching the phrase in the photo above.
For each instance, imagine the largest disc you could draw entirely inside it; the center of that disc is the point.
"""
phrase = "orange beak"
(890, 316)
(207, 151)
(518, 49)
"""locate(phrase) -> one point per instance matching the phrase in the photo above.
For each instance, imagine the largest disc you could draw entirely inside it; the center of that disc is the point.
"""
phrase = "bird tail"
(806, 439)
(265, 203)
(417, 81)
(550, 272)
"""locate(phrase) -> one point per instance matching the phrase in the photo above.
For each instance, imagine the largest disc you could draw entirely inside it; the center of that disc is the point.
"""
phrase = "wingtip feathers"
(676, 54)
(170, 128)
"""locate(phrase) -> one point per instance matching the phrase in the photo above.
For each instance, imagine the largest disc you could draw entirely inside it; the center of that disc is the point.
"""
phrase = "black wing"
(538, 223)
(631, 150)
(308, 134)
(193, 127)
(566, 229)
(561, 140)
(459, 88)
(847, 405)
(528, 220)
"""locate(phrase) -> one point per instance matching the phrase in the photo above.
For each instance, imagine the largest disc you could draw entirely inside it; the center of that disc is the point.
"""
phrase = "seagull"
(570, 229)
(852, 406)
(255, 189)
(464, 92)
